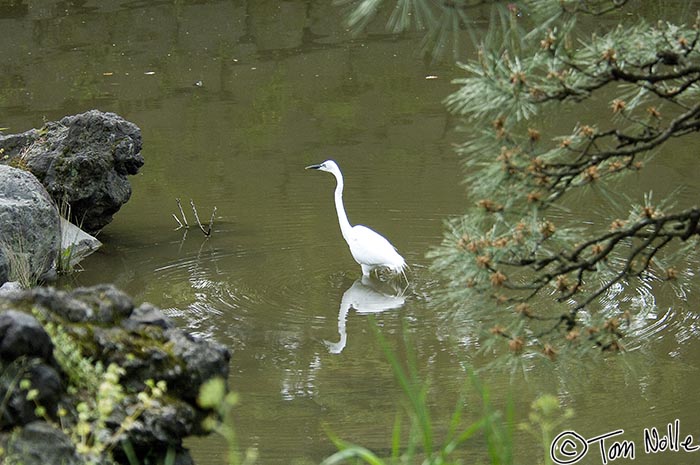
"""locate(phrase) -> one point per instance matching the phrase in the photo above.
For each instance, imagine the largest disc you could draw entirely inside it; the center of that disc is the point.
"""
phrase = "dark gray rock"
(147, 314)
(26, 352)
(109, 304)
(59, 302)
(165, 423)
(83, 160)
(202, 360)
(103, 303)
(29, 226)
(45, 379)
(17, 409)
(40, 443)
(16, 143)
(22, 335)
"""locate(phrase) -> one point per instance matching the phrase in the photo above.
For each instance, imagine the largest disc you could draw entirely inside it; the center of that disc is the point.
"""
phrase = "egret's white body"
(369, 248)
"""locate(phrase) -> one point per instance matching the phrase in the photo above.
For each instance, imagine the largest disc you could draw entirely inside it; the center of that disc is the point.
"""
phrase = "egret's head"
(328, 165)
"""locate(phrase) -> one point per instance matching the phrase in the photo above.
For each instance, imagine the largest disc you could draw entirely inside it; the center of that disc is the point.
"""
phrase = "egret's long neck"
(340, 209)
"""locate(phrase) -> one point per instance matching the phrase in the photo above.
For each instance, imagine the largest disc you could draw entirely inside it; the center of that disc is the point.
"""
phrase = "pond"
(234, 99)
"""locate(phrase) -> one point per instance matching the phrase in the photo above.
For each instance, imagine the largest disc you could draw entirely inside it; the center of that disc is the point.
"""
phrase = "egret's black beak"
(312, 167)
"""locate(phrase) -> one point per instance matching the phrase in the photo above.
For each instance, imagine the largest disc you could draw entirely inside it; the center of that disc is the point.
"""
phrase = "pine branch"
(503, 252)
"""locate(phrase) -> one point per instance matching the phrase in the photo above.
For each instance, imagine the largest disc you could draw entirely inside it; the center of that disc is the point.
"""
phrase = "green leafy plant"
(83, 373)
(546, 416)
(213, 395)
(92, 434)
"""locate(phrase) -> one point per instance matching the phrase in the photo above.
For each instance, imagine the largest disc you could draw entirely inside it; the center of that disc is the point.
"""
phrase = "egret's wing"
(371, 248)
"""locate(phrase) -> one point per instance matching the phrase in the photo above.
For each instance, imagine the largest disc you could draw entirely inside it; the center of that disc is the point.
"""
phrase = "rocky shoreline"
(86, 376)
(53, 339)
(76, 168)
(83, 160)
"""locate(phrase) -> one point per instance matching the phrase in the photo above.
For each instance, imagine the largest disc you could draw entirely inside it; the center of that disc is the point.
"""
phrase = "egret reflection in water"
(365, 296)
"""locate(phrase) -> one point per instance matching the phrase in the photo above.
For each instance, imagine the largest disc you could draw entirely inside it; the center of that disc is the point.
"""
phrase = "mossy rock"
(98, 327)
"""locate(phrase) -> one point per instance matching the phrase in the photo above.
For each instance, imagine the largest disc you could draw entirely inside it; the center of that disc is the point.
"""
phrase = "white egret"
(369, 248)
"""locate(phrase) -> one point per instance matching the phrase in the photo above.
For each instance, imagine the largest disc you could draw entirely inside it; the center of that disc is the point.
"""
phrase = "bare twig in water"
(178, 222)
(207, 232)
(211, 220)
(183, 224)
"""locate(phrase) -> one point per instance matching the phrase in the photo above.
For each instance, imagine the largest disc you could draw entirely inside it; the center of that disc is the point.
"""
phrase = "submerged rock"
(83, 161)
(29, 226)
(103, 325)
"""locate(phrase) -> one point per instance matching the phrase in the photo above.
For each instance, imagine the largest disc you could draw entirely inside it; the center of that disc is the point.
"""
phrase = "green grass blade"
(128, 449)
(416, 395)
(396, 438)
(353, 452)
